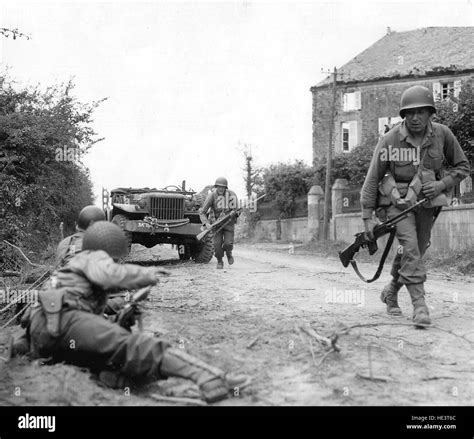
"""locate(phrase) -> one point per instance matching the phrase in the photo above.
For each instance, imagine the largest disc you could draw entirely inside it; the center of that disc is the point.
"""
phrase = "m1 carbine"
(362, 240)
(223, 221)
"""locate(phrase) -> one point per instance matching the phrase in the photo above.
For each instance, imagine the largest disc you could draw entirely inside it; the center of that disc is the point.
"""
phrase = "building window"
(351, 101)
(387, 123)
(445, 89)
(349, 135)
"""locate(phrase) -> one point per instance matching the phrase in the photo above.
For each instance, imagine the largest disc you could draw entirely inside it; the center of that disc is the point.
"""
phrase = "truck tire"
(202, 251)
(120, 221)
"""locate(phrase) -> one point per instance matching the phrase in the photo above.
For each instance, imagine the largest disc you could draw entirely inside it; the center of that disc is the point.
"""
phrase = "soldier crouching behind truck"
(221, 201)
(67, 322)
(416, 159)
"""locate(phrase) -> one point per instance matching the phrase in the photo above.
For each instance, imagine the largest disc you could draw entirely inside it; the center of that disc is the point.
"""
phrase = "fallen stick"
(312, 351)
(9, 273)
(374, 378)
(325, 341)
(367, 325)
(439, 378)
(21, 251)
(176, 400)
(249, 346)
(325, 356)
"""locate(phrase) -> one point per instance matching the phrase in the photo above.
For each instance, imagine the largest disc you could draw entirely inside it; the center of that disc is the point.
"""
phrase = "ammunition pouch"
(399, 194)
(443, 199)
(51, 301)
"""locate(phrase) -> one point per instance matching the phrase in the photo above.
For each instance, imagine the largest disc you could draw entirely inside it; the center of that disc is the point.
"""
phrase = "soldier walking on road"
(221, 201)
(416, 159)
(67, 322)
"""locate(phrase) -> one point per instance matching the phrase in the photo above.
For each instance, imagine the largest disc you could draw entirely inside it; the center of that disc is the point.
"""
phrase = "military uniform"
(221, 205)
(67, 323)
(440, 157)
(68, 247)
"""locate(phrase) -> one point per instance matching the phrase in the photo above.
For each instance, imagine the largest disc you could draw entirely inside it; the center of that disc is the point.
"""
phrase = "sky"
(188, 85)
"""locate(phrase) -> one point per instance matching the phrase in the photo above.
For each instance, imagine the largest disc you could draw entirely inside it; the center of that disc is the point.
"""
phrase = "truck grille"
(167, 208)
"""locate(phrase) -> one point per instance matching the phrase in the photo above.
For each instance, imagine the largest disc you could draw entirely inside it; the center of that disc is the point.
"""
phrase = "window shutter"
(353, 140)
(436, 91)
(382, 122)
(457, 88)
(357, 98)
(344, 101)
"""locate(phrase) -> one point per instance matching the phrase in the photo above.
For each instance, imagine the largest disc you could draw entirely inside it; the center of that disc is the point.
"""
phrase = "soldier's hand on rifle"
(127, 316)
(369, 225)
(433, 188)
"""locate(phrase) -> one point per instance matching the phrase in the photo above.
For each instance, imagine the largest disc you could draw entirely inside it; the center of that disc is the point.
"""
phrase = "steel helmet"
(221, 181)
(106, 236)
(88, 215)
(416, 97)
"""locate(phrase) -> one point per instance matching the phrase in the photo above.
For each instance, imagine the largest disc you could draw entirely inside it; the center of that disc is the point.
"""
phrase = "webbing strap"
(381, 263)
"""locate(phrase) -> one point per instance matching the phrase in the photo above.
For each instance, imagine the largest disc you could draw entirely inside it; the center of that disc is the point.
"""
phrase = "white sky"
(188, 82)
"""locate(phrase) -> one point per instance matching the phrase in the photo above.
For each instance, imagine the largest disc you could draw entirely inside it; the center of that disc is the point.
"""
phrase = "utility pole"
(327, 188)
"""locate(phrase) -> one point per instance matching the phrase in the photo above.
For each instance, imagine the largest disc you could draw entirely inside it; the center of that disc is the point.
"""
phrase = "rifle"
(131, 311)
(221, 222)
(361, 240)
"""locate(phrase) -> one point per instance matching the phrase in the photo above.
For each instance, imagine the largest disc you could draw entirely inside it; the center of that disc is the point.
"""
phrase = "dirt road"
(256, 316)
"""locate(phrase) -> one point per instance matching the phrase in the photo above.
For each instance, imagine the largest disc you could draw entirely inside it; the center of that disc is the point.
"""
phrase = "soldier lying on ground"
(72, 245)
(67, 323)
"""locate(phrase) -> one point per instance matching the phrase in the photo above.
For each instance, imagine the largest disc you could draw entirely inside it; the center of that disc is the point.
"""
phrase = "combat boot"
(421, 314)
(389, 296)
(214, 384)
(220, 264)
(230, 258)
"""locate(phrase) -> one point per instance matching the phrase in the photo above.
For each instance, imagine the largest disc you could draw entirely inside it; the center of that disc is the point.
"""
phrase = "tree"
(284, 182)
(352, 166)
(458, 114)
(14, 33)
(38, 191)
(252, 175)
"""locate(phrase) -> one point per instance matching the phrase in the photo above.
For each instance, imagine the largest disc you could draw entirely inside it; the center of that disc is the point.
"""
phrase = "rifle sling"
(381, 263)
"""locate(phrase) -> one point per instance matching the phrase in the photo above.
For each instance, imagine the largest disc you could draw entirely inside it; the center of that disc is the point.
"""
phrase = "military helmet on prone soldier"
(89, 215)
(416, 97)
(221, 181)
(103, 235)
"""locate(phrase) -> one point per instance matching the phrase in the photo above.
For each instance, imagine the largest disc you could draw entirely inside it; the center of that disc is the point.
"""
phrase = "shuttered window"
(351, 101)
(349, 135)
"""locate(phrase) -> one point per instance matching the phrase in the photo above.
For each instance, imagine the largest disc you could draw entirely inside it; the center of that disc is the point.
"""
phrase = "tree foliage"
(352, 166)
(14, 33)
(284, 182)
(40, 188)
(461, 122)
(253, 177)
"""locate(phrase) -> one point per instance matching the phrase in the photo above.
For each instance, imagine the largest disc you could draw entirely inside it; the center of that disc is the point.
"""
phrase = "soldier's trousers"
(90, 340)
(413, 234)
(224, 241)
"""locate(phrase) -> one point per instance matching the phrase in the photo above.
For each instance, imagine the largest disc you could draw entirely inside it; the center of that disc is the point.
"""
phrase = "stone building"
(369, 91)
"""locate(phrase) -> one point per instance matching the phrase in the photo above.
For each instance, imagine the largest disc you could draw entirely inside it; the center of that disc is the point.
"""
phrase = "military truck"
(161, 216)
